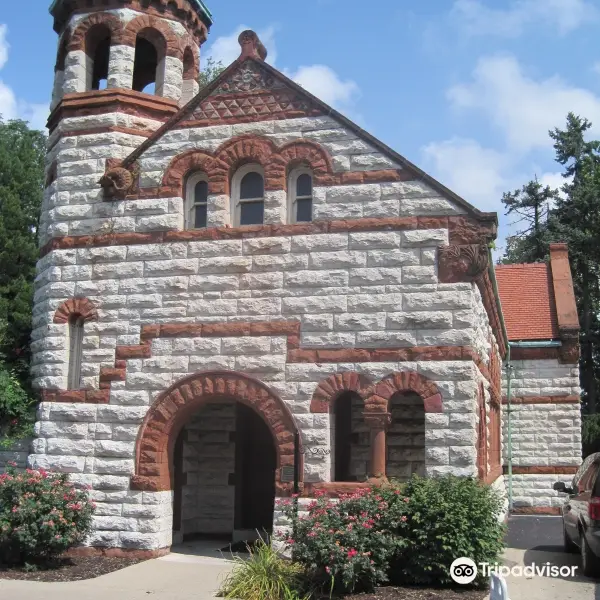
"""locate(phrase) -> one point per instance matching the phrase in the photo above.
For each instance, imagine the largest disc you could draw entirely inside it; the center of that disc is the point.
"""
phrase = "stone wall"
(546, 430)
(17, 452)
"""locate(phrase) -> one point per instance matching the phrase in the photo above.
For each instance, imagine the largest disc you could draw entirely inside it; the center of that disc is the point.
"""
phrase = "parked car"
(581, 514)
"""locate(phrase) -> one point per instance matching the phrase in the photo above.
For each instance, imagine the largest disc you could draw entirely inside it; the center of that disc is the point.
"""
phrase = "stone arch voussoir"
(237, 152)
(77, 40)
(156, 24)
(184, 164)
(306, 152)
(404, 381)
(173, 408)
(79, 307)
(329, 389)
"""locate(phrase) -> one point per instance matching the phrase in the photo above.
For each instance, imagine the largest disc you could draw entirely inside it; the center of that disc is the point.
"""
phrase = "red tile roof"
(528, 303)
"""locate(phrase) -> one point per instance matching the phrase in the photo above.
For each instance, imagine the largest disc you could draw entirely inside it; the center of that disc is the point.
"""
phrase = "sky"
(465, 89)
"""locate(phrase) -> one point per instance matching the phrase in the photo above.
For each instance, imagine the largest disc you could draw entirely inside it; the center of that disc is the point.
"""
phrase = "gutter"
(509, 370)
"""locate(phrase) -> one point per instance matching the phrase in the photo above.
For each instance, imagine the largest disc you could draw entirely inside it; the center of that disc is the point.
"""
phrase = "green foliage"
(573, 217)
(590, 434)
(21, 187)
(16, 409)
(531, 204)
(350, 542)
(447, 518)
(263, 576)
(400, 534)
(41, 515)
(212, 69)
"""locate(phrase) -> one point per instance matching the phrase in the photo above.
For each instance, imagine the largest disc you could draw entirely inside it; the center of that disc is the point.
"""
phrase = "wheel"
(569, 545)
(589, 561)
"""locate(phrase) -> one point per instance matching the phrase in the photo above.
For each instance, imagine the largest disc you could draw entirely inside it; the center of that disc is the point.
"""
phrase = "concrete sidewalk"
(176, 576)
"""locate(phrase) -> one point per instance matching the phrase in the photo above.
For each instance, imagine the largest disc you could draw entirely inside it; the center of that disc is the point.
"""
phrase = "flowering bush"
(348, 543)
(41, 515)
(407, 534)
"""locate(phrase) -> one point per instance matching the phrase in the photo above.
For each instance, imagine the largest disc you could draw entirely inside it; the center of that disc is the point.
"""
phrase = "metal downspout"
(492, 275)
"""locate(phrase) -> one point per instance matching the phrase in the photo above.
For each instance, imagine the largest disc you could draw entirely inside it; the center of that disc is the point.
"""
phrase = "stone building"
(225, 272)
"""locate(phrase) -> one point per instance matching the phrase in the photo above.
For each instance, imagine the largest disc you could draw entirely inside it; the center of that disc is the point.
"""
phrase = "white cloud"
(226, 48)
(12, 107)
(563, 16)
(523, 109)
(3, 45)
(476, 173)
(323, 82)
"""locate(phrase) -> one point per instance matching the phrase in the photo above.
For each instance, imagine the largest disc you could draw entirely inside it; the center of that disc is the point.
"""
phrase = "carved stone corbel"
(462, 262)
(118, 182)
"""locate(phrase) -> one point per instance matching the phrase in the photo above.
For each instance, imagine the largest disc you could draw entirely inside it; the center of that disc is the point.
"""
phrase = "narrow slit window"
(196, 199)
(251, 201)
(75, 353)
(301, 197)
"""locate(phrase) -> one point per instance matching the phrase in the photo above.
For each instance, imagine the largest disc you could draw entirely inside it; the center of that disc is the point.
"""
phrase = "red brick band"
(459, 227)
(542, 470)
(566, 399)
(536, 510)
(101, 396)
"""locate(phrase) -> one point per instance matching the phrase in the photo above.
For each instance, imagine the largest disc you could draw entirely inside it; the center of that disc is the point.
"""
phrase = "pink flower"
(352, 552)
(327, 570)
(406, 499)
(403, 519)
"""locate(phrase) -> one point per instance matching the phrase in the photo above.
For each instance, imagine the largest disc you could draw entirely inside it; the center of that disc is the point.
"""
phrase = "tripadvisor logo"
(464, 570)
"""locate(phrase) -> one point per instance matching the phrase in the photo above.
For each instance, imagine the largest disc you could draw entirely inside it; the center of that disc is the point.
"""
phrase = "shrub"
(447, 518)
(263, 576)
(348, 543)
(41, 515)
(16, 409)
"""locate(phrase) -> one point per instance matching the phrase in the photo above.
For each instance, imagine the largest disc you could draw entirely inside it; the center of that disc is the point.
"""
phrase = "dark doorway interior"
(255, 463)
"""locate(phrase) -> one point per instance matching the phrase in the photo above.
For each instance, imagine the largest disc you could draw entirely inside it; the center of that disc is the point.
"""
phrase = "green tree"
(532, 205)
(576, 220)
(21, 189)
(212, 69)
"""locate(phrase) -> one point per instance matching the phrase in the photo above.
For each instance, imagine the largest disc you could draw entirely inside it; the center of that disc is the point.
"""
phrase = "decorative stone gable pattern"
(251, 94)
(76, 307)
(175, 406)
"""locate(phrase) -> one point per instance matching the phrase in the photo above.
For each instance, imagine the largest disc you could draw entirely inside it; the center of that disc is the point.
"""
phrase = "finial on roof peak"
(251, 45)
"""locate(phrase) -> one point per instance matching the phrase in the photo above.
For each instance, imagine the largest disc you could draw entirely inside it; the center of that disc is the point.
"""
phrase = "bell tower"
(146, 47)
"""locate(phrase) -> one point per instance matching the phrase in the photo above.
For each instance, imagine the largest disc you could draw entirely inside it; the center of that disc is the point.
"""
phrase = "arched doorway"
(220, 441)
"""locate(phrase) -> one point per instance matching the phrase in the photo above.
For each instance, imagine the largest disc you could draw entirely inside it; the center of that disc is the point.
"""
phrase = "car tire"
(590, 562)
(569, 545)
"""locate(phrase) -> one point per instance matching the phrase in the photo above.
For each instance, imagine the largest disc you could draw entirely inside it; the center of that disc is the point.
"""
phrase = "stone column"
(378, 424)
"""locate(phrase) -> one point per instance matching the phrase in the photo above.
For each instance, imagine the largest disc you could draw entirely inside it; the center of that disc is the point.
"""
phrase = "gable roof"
(528, 302)
(327, 110)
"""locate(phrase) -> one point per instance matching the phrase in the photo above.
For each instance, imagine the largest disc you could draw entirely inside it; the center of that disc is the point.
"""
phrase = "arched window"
(61, 56)
(188, 64)
(482, 438)
(149, 62)
(196, 201)
(97, 49)
(300, 194)
(75, 351)
(342, 437)
(249, 195)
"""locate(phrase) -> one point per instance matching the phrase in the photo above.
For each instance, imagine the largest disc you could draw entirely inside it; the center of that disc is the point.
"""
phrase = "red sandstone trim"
(176, 10)
(118, 552)
(459, 225)
(79, 396)
(537, 510)
(333, 489)
(493, 475)
(329, 389)
(534, 353)
(76, 307)
(543, 400)
(174, 406)
(566, 306)
(101, 102)
(541, 470)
